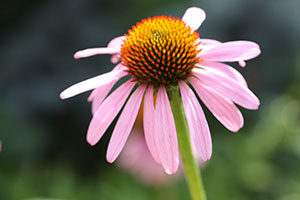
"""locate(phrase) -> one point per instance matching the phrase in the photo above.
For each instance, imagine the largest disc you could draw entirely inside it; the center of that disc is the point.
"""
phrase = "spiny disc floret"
(160, 50)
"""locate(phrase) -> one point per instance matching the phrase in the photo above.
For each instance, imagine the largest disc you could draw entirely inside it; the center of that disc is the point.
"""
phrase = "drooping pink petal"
(194, 17)
(166, 130)
(107, 111)
(226, 69)
(92, 83)
(95, 51)
(196, 121)
(93, 94)
(227, 87)
(151, 136)
(100, 94)
(124, 124)
(231, 51)
(116, 42)
(221, 107)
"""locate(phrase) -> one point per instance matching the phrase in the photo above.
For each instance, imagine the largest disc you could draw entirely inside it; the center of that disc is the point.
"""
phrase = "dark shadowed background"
(44, 152)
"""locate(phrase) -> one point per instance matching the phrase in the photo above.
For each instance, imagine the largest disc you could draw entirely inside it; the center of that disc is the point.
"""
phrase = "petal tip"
(256, 107)
(194, 17)
(236, 129)
(77, 55)
(67, 93)
(170, 172)
(63, 95)
(91, 141)
(205, 159)
(110, 160)
(207, 155)
(255, 104)
(242, 63)
(198, 11)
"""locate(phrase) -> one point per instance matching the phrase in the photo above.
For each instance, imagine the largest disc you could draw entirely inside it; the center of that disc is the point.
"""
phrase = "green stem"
(192, 173)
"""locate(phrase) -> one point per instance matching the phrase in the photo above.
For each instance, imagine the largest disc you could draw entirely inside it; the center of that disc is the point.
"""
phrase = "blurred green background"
(44, 152)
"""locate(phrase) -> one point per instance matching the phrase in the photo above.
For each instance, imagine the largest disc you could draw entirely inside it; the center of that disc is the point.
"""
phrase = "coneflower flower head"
(159, 53)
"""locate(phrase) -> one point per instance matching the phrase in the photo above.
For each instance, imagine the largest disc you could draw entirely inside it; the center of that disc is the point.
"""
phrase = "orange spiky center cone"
(160, 50)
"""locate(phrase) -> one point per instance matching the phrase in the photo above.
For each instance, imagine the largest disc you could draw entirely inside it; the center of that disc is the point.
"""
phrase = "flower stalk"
(192, 172)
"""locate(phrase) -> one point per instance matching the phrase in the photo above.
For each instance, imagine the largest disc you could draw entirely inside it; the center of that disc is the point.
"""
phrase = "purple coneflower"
(159, 53)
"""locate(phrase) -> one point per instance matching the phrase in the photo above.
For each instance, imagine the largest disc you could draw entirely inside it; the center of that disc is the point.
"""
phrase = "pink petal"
(221, 107)
(194, 17)
(100, 93)
(197, 122)
(227, 87)
(166, 130)
(231, 51)
(210, 43)
(151, 136)
(116, 42)
(95, 51)
(108, 111)
(226, 69)
(92, 83)
(124, 124)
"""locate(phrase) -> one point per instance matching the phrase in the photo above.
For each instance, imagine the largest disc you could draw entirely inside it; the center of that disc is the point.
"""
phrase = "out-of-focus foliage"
(44, 154)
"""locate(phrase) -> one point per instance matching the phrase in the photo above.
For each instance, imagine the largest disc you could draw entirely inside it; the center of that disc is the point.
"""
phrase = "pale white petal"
(91, 83)
(194, 17)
